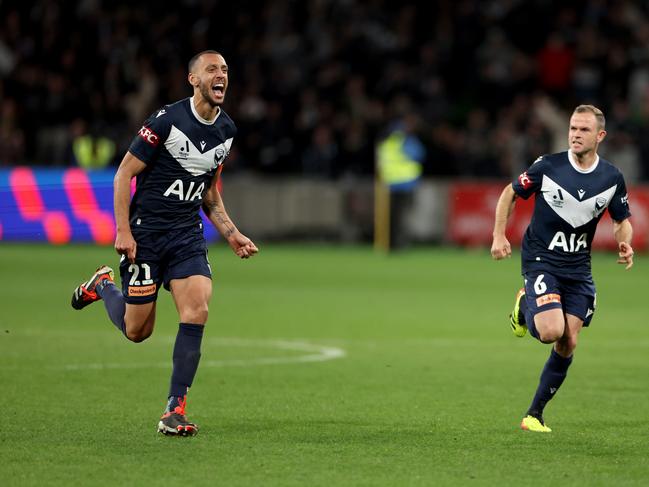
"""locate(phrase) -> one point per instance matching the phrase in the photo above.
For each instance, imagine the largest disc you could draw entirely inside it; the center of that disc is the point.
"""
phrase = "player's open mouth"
(218, 89)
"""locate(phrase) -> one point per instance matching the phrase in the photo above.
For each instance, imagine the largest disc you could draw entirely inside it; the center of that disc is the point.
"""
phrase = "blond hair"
(599, 115)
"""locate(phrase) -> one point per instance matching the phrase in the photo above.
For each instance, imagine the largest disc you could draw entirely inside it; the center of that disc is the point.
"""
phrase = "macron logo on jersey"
(149, 136)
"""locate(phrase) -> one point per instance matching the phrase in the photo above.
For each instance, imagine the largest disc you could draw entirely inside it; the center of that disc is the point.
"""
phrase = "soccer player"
(176, 158)
(572, 191)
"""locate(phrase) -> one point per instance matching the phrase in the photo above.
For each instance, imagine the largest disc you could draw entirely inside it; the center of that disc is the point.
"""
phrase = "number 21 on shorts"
(134, 269)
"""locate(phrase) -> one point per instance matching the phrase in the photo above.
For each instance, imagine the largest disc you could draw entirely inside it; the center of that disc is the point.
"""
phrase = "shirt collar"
(573, 162)
(198, 117)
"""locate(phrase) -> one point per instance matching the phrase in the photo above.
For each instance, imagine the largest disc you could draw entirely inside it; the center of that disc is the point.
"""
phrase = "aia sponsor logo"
(149, 136)
(525, 180)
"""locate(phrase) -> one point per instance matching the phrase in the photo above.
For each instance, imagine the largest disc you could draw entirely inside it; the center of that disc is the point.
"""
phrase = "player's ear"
(601, 135)
(193, 79)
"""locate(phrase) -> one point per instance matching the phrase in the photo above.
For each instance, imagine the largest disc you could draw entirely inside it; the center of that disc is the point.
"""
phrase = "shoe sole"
(186, 431)
(76, 301)
(524, 427)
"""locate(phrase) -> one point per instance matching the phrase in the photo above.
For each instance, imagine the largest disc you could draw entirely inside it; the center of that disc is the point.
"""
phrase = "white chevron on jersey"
(190, 157)
(573, 211)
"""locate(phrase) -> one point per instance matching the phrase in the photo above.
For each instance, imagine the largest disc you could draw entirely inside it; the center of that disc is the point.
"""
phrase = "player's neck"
(204, 110)
(585, 161)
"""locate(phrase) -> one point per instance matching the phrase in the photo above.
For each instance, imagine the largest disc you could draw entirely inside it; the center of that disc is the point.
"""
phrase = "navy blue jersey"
(569, 204)
(182, 153)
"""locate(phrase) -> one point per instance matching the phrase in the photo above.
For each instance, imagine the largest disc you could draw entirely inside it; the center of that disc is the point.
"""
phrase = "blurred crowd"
(489, 84)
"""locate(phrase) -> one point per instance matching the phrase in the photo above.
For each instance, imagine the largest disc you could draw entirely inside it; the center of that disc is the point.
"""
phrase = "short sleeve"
(531, 180)
(156, 128)
(618, 208)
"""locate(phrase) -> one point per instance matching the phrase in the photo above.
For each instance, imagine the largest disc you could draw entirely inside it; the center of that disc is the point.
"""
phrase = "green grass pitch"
(430, 391)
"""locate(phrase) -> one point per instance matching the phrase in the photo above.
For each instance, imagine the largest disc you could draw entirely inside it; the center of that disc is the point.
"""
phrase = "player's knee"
(137, 336)
(197, 314)
(138, 332)
(550, 332)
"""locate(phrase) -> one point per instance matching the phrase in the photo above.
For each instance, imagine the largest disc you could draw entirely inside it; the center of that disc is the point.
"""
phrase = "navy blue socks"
(187, 353)
(553, 375)
(114, 303)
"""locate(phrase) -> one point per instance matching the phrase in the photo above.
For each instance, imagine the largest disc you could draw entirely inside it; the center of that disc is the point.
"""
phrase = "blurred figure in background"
(89, 150)
(335, 63)
(399, 157)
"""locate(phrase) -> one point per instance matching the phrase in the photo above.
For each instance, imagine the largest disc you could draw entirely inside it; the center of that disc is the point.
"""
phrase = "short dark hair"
(193, 60)
(599, 115)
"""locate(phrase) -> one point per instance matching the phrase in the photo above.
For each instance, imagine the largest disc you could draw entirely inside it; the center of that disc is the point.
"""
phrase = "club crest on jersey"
(219, 155)
(525, 180)
(600, 205)
(149, 136)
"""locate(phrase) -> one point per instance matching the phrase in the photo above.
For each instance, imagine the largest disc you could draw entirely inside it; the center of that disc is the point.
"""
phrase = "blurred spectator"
(399, 163)
(319, 158)
(12, 139)
(315, 81)
(90, 150)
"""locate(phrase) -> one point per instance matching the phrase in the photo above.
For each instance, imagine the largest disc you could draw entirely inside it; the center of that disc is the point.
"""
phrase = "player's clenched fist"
(625, 254)
(501, 248)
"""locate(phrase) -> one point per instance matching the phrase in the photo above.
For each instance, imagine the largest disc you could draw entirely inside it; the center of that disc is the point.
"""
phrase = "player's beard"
(206, 93)
(584, 150)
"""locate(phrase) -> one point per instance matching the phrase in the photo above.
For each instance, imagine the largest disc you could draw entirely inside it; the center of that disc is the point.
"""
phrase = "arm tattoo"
(227, 224)
(211, 205)
(226, 227)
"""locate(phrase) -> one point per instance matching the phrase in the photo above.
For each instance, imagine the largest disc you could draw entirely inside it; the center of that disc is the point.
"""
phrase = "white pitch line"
(315, 353)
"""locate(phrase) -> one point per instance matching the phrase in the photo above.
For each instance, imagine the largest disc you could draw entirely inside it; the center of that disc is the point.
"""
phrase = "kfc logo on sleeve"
(525, 180)
(149, 136)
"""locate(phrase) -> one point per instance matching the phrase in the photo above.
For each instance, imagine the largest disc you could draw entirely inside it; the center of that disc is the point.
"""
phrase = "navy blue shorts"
(544, 291)
(161, 257)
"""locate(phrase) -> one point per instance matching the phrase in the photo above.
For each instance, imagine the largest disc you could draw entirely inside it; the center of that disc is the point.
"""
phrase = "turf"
(430, 391)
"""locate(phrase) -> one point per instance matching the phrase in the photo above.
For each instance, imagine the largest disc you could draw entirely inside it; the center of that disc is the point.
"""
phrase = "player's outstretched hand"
(125, 245)
(625, 254)
(242, 245)
(500, 248)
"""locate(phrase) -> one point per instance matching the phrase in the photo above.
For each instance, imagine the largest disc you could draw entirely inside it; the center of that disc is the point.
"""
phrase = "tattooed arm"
(215, 211)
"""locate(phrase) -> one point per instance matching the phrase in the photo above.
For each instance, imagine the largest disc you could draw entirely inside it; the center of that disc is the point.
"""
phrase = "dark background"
(491, 84)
